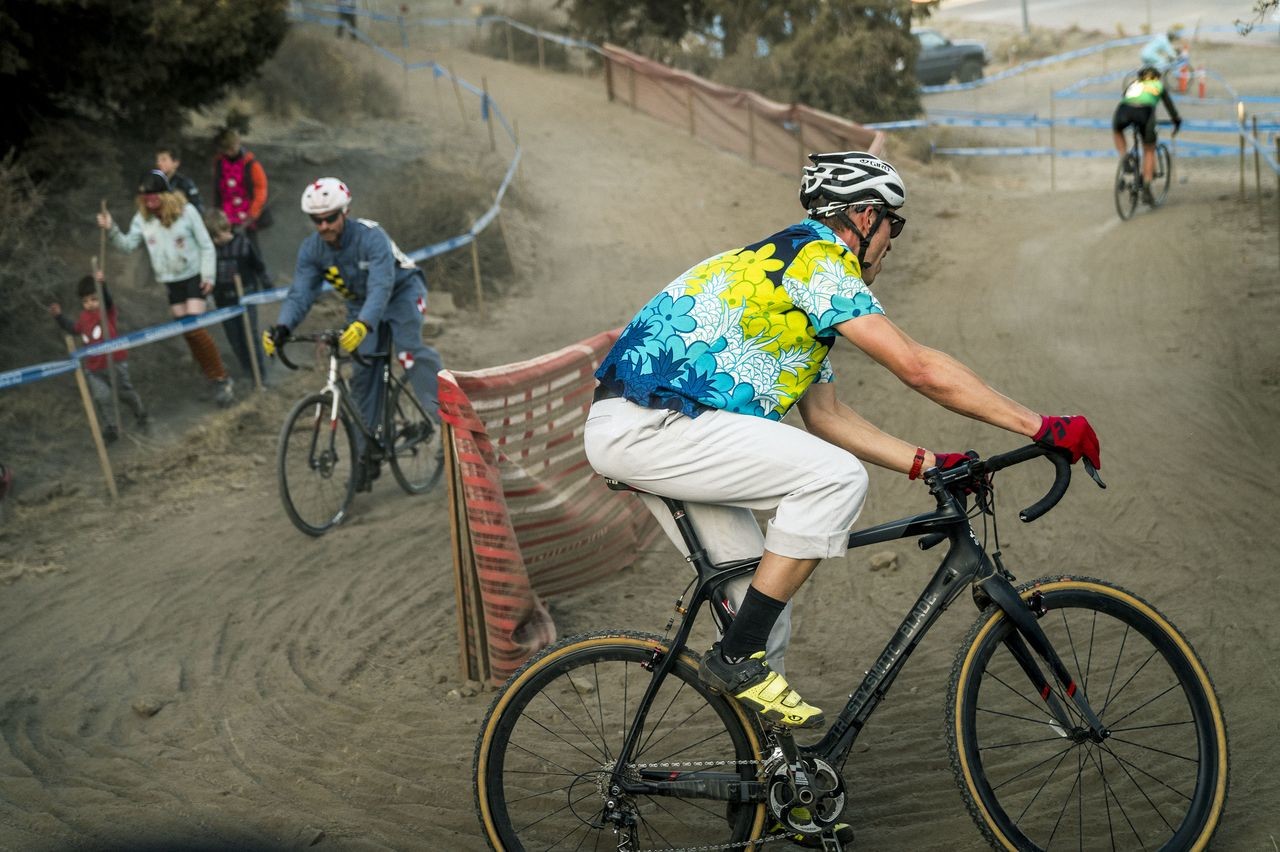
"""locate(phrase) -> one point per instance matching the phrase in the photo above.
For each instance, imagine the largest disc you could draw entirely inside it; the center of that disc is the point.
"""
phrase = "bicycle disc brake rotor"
(786, 797)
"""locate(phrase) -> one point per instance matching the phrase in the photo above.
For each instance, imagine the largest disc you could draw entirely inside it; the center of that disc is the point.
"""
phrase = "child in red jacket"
(89, 328)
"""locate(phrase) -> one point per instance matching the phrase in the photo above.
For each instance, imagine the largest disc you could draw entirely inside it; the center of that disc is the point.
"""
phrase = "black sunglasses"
(327, 220)
(896, 223)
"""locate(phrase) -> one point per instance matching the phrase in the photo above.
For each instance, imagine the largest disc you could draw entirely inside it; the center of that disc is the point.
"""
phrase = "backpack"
(265, 219)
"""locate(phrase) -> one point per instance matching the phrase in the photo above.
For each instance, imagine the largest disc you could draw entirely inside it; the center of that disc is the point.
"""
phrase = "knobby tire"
(316, 465)
(554, 731)
(1159, 781)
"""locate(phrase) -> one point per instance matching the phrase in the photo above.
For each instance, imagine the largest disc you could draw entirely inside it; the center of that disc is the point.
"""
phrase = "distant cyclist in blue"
(380, 284)
(1160, 52)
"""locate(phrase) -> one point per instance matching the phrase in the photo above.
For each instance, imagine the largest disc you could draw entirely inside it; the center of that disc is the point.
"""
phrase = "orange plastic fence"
(765, 132)
(531, 519)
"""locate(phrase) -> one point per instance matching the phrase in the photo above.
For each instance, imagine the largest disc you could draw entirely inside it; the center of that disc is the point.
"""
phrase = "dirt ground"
(183, 669)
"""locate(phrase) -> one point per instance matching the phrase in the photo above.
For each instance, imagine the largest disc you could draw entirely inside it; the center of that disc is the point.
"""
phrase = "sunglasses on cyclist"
(326, 220)
(896, 223)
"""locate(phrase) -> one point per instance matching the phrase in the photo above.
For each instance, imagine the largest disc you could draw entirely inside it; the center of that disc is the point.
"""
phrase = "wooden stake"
(248, 333)
(488, 112)
(457, 92)
(1257, 167)
(1053, 144)
(104, 321)
(515, 137)
(751, 131)
(800, 141)
(461, 564)
(502, 232)
(94, 428)
(541, 55)
(608, 79)
(511, 51)
(475, 268)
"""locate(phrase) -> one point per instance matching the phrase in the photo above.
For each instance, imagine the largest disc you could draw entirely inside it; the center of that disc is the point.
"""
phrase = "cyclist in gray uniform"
(380, 283)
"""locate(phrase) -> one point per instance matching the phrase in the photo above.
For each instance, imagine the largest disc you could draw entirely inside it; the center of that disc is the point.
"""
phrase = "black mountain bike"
(1078, 717)
(1129, 175)
(316, 457)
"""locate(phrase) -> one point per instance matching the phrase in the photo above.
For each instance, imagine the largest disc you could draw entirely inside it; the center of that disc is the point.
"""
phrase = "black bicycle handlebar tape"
(1062, 467)
(1061, 481)
(284, 359)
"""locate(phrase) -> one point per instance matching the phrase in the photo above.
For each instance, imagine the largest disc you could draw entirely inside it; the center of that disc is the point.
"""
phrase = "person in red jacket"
(239, 185)
(89, 329)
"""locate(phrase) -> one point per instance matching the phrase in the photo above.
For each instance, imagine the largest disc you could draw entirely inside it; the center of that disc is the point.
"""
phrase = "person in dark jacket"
(169, 160)
(237, 255)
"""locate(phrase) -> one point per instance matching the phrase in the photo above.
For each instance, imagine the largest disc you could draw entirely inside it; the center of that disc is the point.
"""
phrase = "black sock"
(750, 629)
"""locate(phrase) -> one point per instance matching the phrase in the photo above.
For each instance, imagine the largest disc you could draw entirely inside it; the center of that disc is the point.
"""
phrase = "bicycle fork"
(1025, 643)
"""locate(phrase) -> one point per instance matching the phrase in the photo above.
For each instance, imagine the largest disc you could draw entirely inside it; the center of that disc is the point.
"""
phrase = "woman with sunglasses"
(379, 282)
(691, 396)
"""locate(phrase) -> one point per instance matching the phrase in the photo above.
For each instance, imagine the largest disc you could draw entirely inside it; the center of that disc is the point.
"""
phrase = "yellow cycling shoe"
(756, 685)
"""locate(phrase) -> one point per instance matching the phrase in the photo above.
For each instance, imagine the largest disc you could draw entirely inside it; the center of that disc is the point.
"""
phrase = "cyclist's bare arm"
(836, 423)
(937, 375)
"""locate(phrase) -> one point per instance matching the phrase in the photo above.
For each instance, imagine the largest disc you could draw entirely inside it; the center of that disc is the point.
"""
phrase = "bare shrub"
(427, 202)
(26, 230)
(494, 39)
(307, 76)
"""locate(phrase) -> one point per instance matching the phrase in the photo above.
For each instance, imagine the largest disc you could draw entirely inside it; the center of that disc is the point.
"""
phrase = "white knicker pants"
(723, 465)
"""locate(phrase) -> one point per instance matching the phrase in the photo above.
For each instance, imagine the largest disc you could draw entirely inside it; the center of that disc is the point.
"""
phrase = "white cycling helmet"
(325, 195)
(837, 180)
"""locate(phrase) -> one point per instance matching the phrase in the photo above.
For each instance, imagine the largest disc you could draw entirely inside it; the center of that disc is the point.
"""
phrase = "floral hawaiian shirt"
(745, 331)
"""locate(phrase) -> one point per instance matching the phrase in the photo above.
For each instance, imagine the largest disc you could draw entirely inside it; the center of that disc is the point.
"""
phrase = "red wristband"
(917, 463)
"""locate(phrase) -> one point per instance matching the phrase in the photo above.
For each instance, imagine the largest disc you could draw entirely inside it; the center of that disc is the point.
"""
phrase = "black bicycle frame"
(965, 564)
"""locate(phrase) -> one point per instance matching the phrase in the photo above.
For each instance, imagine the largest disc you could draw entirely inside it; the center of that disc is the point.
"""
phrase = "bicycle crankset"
(807, 797)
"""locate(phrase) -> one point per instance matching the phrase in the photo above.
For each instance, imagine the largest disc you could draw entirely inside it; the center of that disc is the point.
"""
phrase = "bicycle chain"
(773, 838)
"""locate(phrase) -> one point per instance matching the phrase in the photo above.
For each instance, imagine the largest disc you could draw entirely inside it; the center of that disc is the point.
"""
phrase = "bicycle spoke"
(1145, 783)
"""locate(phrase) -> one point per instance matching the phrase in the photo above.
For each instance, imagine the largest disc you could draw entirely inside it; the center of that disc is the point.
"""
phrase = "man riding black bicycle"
(1138, 109)
(691, 395)
(380, 284)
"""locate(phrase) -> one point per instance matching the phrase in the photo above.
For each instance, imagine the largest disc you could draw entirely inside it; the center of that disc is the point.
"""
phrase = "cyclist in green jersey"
(1138, 108)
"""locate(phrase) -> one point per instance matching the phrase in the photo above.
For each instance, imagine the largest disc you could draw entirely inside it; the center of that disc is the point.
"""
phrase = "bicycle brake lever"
(1093, 473)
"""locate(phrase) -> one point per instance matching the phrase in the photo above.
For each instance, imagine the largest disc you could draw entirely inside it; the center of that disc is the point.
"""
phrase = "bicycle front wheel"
(417, 454)
(1158, 781)
(1163, 175)
(1127, 174)
(554, 732)
(316, 462)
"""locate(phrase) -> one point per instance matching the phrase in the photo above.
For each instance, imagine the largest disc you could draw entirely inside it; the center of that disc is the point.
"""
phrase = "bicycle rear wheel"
(1127, 176)
(1163, 175)
(1158, 781)
(316, 463)
(417, 454)
(551, 738)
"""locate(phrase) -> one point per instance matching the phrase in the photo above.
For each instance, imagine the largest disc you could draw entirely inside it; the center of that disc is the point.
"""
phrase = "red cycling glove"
(1073, 434)
(946, 461)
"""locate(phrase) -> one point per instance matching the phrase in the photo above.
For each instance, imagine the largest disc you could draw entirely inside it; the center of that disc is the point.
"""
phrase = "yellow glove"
(353, 336)
(272, 337)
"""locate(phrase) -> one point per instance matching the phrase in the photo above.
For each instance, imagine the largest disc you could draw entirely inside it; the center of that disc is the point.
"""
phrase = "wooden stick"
(105, 321)
(461, 564)
(502, 232)
(541, 57)
(1053, 145)
(511, 51)
(488, 112)
(475, 268)
(89, 411)
(1257, 167)
(457, 92)
(751, 131)
(248, 333)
